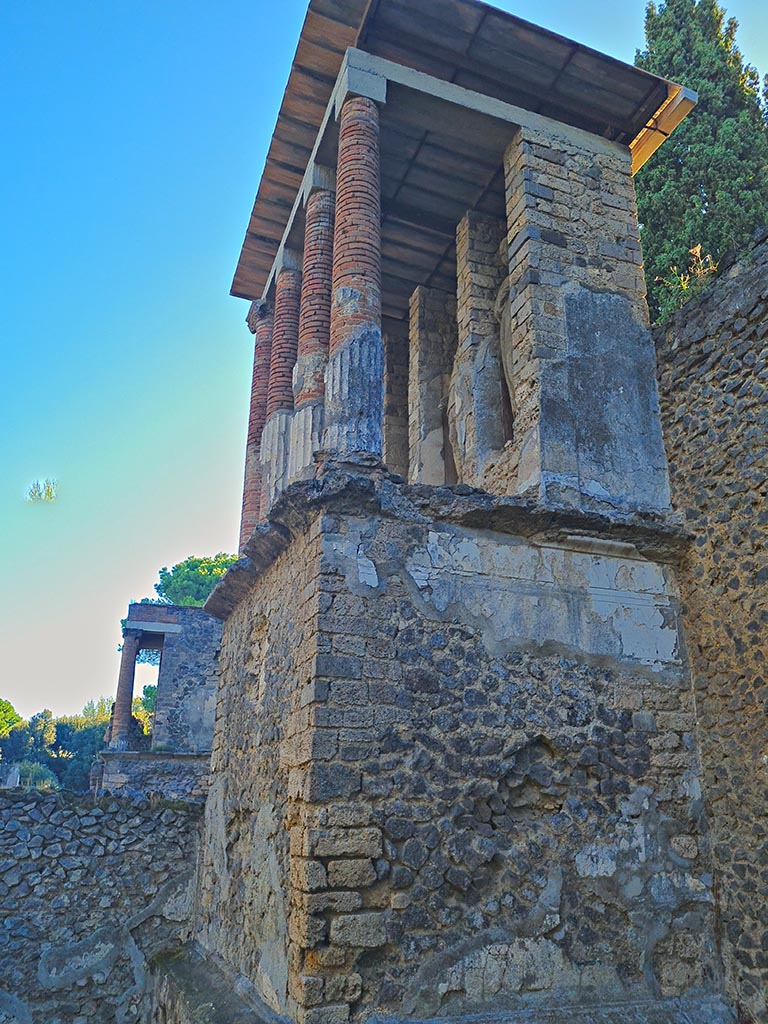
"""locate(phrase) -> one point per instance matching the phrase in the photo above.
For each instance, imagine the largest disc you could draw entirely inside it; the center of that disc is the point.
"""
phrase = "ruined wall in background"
(91, 892)
(187, 683)
(713, 363)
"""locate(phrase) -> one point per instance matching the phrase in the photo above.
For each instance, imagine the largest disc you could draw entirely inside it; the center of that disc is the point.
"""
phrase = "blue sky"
(134, 138)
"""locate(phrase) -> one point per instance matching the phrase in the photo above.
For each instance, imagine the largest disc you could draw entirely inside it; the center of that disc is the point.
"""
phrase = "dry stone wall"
(91, 891)
(713, 362)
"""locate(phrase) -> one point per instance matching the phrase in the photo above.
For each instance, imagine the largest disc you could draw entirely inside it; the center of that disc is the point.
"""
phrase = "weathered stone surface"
(91, 895)
(713, 363)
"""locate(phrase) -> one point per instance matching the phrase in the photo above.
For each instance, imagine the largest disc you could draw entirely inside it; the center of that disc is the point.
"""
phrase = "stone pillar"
(354, 377)
(433, 336)
(276, 437)
(314, 334)
(578, 355)
(121, 717)
(260, 323)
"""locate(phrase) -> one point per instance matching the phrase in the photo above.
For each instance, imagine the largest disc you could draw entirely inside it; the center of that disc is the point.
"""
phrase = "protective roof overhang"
(469, 44)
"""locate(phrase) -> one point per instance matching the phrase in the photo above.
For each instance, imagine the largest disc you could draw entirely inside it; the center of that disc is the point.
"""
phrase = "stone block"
(367, 930)
(351, 874)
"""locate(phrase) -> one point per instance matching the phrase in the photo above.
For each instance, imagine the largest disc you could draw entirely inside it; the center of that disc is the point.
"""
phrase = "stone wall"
(713, 362)
(91, 892)
(187, 683)
(478, 395)
(432, 336)
(139, 774)
(578, 354)
(261, 736)
(457, 764)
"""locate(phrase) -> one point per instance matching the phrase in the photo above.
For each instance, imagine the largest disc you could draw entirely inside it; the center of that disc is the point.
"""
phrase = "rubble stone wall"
(505, 804)
(713, 363)
(91, 891)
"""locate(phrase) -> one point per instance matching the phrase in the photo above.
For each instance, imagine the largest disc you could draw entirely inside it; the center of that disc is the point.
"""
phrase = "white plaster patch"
(607, 602)
(366, 570)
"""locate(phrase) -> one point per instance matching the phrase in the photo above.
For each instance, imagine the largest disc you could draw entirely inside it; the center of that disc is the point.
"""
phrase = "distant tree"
(33, 775)
(189, 583)
(9, 717)
(149, 698)
(42, 491)
(43, 730)
(17, 744)
(707, 185)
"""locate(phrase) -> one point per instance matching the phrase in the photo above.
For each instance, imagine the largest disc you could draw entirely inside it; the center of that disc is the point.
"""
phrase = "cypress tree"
(708, 184)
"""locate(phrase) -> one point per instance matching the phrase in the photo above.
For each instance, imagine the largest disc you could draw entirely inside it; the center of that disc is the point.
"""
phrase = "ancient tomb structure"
(176, 762)
(454, 766)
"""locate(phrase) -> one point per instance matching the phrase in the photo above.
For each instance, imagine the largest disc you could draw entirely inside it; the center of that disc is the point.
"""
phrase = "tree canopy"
(190, 582)
(9, 716)
(708, 184)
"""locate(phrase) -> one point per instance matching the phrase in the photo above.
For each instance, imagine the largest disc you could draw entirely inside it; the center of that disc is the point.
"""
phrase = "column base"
(306, 439)
(354, 395)
(275, 449)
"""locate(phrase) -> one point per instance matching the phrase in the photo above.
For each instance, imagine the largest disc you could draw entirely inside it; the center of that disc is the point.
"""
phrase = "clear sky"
(133, 138)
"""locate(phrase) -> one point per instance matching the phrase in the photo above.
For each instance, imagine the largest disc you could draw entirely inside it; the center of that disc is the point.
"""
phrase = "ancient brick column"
(276, 437)
(314, 334)
(260, 323)
(121, 717)
(354, 377)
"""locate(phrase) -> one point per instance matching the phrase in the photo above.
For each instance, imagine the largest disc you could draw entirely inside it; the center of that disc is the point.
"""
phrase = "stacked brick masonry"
(572, 225)
(354, 378)
(263, 735)
(260, 322)
(713, 362)
(91, 891)
(285, 337)
(478, 394)
(315, 315)
(432, 349)
(357, 245)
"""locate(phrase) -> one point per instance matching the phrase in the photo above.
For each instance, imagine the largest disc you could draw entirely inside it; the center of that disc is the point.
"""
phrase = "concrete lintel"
(317, 179)
(361, 71)
(151, 627)
(354, 80)
(475, 101)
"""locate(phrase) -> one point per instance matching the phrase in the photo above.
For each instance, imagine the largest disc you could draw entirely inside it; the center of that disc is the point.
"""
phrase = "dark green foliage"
(708, 184)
